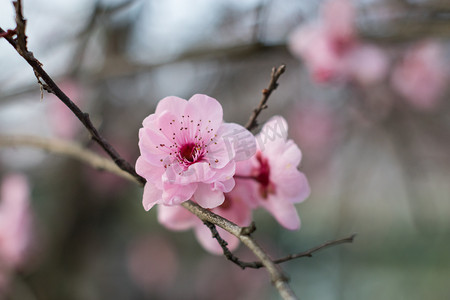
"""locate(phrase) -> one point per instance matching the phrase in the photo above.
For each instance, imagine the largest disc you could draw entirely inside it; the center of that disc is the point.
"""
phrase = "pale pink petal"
(293, 185)
(169, 124)
(152, 195)
(148, 171)
(174, 194)
(207, 197)
(208, 109)
(176, 217)
(198, 172)
(283, 211)
(150, 121)
(224, 186)
(172, 104)
(153, 146)
(274, 131)
(226, 173)
(233, 142)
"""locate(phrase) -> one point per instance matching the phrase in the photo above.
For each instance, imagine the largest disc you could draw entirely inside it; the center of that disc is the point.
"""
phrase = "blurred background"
(366, 98)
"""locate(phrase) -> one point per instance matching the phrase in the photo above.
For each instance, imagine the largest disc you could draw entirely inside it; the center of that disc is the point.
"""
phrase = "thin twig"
(257, 264)
(307, 253)
(277, 276)
(273, 84)
(20, 45)
(223, 244)
(65, 148)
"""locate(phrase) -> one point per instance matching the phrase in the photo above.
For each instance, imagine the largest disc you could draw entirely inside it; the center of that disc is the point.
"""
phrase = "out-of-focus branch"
(65, 148)
(49, 85)
(273, 84)
(406, 21)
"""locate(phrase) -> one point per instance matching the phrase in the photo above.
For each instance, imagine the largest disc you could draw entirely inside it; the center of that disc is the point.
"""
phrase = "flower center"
(188, 152)
(264, 170)
(262, 176)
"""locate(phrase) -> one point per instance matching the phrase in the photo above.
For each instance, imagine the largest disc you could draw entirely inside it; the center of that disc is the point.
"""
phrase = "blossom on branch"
(188, 152)
(272, 174)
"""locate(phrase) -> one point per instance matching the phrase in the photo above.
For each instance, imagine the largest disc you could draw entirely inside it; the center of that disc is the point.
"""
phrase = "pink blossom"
(330, 48)
(421, 77)
(15, 221)
(276, 182)
(187, 151)
(234, 208)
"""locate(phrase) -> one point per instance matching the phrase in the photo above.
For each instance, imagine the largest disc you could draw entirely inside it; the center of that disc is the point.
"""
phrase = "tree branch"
(273, 84)
(257, 264)
(65, 148)
(279, 280)
(277, 276)
(21, 47)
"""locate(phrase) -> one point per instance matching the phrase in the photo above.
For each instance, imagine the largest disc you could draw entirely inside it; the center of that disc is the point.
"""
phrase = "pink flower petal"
(171, 104)
(283, 211)
(208, 109)
(174, 194)
(176, 217)
(152, 195)
(207, 197)
(153, 146)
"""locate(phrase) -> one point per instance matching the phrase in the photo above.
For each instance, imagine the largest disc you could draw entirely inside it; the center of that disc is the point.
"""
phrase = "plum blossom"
(15, 226)
(188, 152)
(234, 208)
(421, 77)
(331, 50)
(273, 176)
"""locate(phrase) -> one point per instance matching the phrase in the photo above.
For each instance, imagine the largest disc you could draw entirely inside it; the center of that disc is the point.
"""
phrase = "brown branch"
(307, 253)
(224, 245)
(257, 264)
(277, 276)
(279, 280)
(273, 84)
(20, 45)
(65, 148)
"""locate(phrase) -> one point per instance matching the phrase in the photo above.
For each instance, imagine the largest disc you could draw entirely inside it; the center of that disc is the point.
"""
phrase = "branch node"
(249, 229)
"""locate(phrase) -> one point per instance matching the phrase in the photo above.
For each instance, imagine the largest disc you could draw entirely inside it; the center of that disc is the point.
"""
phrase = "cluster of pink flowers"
(331, 50)
(15, 226)
(189, 153)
